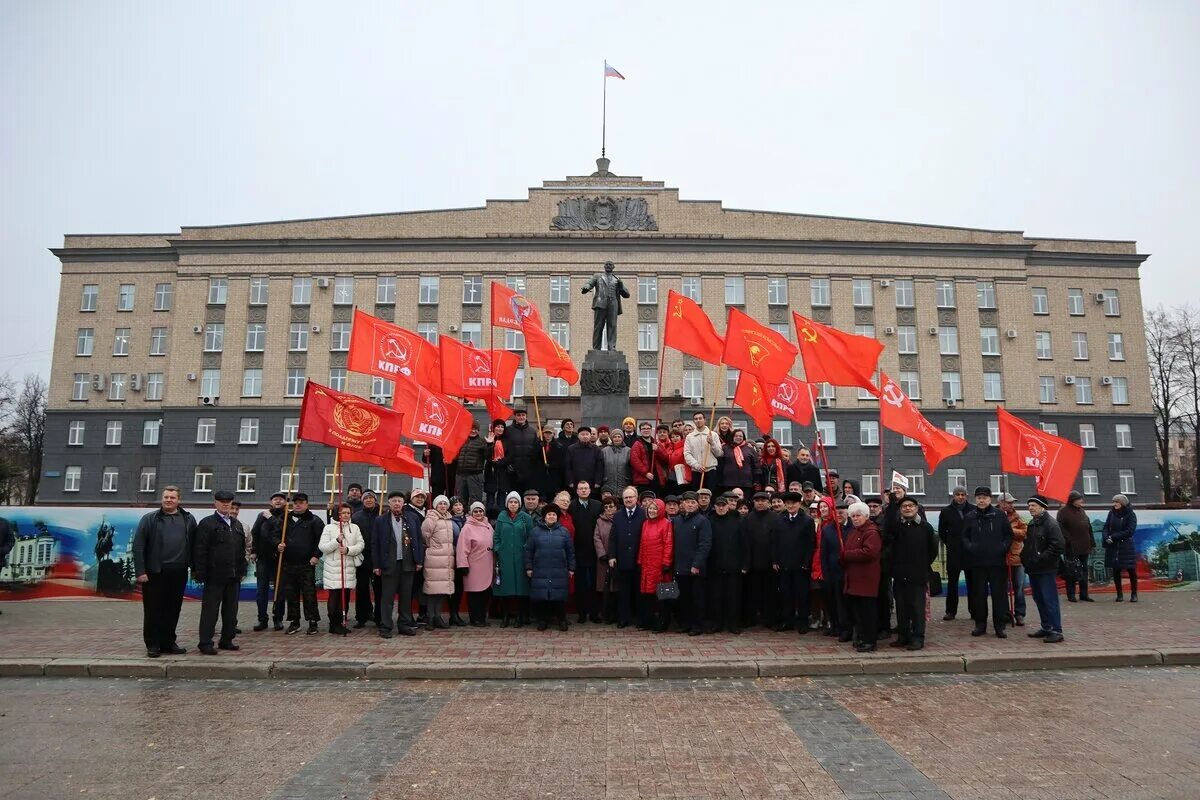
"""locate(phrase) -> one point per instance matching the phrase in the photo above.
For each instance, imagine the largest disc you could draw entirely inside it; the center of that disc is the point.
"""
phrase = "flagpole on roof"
(604, 111)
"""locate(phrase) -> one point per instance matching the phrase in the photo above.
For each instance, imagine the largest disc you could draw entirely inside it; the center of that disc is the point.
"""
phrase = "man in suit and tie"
(623, 545)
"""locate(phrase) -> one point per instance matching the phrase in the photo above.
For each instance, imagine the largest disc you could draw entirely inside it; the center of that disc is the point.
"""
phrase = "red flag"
(470, 372)
(832, 356)
(512, 310)
(542, 351)
(404, 462)
(348, 422)
(897, 413)
(689, 330)
(755, 348)
(380, 348)
(432, 417)
(750, 396)
(794, 399)
(1025, 450)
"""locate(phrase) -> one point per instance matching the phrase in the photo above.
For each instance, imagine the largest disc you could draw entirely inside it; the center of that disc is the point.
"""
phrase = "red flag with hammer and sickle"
(897, 413)
(794, 399)
(689, 330)
(378, 347)
(753, 399)
(835, 357)
(432, 417)
(1025, 450)
(752, 347)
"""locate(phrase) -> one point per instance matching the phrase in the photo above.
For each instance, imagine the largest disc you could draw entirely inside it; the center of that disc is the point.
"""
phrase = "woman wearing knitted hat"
(437, 532)
(1077, 531)
(511, 585)
(475, 555)
(1120, 551)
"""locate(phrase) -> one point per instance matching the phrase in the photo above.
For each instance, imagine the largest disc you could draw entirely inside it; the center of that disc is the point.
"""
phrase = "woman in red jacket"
(860, 557)
(655, 553)
(676, 465)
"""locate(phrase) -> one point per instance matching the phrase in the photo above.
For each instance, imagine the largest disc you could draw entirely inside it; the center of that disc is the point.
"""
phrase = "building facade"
(181, 358)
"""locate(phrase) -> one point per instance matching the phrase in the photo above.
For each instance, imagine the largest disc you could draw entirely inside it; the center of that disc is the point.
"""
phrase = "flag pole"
(662, 357)
(286, 514)
(604, 111)
(881, 490)
(537, 412)
(712, 420)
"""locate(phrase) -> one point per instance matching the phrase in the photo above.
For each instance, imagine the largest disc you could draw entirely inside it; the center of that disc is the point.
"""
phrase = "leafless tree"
(1187, 343)
(29, 431)
(1165, 383)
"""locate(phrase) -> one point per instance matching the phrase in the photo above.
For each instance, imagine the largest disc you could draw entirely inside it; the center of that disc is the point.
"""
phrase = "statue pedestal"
(604, 388)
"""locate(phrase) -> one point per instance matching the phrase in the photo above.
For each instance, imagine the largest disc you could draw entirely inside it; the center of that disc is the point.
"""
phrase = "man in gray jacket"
(162, 548)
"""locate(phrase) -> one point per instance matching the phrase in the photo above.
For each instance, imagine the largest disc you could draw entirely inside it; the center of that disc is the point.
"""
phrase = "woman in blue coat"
(1120, 550)
(549, 564)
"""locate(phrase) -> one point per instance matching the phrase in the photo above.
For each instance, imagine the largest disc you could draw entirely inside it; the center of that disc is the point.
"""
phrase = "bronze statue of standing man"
(606, 306)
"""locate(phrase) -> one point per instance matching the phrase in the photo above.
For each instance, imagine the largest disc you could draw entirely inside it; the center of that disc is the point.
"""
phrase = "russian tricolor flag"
(611, 72)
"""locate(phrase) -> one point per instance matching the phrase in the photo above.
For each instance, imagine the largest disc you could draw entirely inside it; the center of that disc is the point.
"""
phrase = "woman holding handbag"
(342, 545)
(655, 552)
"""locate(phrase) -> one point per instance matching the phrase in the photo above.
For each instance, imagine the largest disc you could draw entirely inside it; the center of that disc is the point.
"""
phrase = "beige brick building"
(180, 357)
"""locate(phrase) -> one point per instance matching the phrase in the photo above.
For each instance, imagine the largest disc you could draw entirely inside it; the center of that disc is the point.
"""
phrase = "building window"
(863, 293)
(819, 292)
(731, 381)
(905, 293)
(472, 333)
(1083, 391)
(154, 386)
(121, 342)
(343, 291)
(252, 382)
(1112, 304)
(985, 294)
(289, 481)
(151, 430)
(339, 337)
(782, 328)
(1120, 391)
(954, 479)
(1050, 428)
(1041, 345)
(210, 383)
(989, 341)
(85, 341)
(1079, 346)
(827, 430)
(516, 283)
(298, 337)
(825, 391)
(91, 297)
(560, 289)
(472, 290)
(125, 297)
(560, 332)
(1124, 436)
(777, 291)
(301, 291)
(647, 290)
(295, 383)
(75, 431)
(71, 476)
(162, 296)
(514, 341)
(158, 341)
(385, 291)
(214, 337)
(996, 482)
(906, 339)
(518, 389)
(690, 288)
(647, 382)
(735, 290)
(868, 433)
(1116, 347)
(870, 483)
(910, 383)
(916, 482)
(429, 290)
(952, 386)
(948, 340)
(865, 394)
(1091, 481)
(330, 483)
(256, 337)
(291, 430)
(259, 291)
(428, 331)
(382, 389)
(202, 479)
(865, 330)
(557, 387)
(206, 430)
(1041, 300)
(218, 291)
(245, 479)
(248, 430)
(109, 480)
(116, 385)
(1087, 435)
(337, 378)
(376, 479)
(647, 337)
(993, 386)
(693, 383)
(112, 433)
(1075, 302)
(781, 431)
(945, 294)
(993, 432)
(1046, 389)
(955, 428)
(910, 442)
(147, 479)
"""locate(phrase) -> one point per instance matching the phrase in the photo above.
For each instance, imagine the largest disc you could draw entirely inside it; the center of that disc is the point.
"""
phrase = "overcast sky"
(1073, 120)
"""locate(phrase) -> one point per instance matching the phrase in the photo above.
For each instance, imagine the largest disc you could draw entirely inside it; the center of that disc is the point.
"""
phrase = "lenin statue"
(606, 306)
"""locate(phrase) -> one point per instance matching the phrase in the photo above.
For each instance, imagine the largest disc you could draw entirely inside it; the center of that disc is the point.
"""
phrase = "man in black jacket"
(728, 561)
(495, 472)
(162, 551)
(803, 470)
(520, 448)
(298, 548)
(219, 564)
(623, 544)
(397, 555)
(692, 545)
(472, 458)
(950, 527)
(986, 537)
(793, 542)
(761, 584)
(265, 561)
(550, 463)
(914, 546)
(367, 584)
(584, 461)
(584, 511)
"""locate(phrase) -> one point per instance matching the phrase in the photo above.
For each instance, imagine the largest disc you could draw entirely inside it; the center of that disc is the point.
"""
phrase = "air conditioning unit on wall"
(1069, 380)
(209, 400)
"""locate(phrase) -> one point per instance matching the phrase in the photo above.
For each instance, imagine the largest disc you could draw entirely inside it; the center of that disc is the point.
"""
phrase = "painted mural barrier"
(86, 552)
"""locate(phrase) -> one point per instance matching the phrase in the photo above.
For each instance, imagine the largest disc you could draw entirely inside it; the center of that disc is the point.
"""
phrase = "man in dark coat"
(584, 511)
(584, 461)
(802, 470)
(442, 474)
(265, 563)
(567, 435)
(1044, 546)
(623, 544)
(692, 544)
(298, 549)
(162, 552)
(219, 564)
(367, 584)
(469, 464)
(728, 561)
(396, 552)
(521, 448)
(950, 527)
(914, 546)
(551, 465)
(793, 543)
(496, 481)
(1076, 528)
(887, 518)
(761, 584)
(986, 537)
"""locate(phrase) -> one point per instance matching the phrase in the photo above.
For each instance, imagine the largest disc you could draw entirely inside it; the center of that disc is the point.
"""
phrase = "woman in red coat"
(860, 557)
(655, 553)
(676, 466)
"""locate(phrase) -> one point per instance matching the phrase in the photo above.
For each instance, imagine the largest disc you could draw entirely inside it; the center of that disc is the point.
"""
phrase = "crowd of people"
(671, 527)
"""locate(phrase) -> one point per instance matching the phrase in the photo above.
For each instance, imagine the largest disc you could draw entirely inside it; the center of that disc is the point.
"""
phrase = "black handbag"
(667, 591)
(935, 583)
(1070, 569)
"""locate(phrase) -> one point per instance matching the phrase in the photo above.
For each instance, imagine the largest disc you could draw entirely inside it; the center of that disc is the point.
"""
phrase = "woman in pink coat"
(475, 555)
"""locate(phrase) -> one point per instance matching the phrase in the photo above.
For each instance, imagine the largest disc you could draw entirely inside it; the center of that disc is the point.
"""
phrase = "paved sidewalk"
(103, 638)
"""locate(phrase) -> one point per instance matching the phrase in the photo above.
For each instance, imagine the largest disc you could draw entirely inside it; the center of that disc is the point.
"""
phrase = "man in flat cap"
(219, 564)
(986, 537)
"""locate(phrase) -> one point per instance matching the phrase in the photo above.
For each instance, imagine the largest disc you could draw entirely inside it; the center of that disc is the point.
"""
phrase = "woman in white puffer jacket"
(342, 545)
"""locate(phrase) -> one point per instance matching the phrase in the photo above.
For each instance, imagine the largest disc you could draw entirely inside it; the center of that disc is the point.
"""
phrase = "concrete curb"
(1063, 660)
(1176, 656)
(228, 669)
(903, 664)
(702, 669)
(799, 668)
(337, 670)
(581, 669)
(433, 670)
(22, 667)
